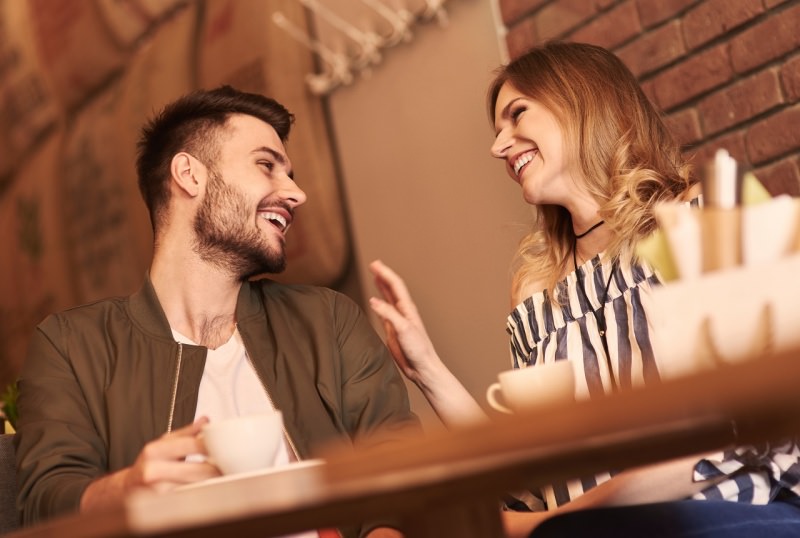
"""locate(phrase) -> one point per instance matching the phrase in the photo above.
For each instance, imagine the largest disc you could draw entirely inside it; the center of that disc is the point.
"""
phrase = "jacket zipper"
(269, 397)
(175, 388)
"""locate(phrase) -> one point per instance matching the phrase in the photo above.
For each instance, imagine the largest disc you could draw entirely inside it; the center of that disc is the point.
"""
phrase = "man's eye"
(269, 165)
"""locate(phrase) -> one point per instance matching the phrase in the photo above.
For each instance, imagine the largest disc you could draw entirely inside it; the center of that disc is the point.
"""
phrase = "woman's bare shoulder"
(527, 289)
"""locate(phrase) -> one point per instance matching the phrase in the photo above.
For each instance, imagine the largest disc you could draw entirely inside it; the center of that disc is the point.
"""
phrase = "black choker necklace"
(590, 230)
(600, 313)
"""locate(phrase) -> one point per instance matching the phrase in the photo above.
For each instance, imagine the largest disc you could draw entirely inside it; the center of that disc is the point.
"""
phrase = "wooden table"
(448, 483)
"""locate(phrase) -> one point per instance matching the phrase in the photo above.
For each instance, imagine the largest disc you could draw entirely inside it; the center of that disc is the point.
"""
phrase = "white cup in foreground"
(535, 386)
(724, 317)
(244, 444)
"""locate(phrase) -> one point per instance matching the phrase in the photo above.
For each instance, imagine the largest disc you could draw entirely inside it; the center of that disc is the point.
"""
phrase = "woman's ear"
(188, 173)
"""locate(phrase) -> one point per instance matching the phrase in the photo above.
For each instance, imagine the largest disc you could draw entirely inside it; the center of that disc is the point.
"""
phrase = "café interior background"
(391, 140)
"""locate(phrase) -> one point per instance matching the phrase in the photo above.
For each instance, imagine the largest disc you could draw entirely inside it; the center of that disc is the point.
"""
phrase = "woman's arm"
(660, 482)
(414, 353)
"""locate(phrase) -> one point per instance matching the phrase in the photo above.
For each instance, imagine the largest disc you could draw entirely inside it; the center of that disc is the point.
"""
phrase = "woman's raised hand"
(406, 336)
(413, 350)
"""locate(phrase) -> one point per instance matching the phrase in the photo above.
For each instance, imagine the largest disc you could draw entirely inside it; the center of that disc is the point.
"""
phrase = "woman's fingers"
(394, 324)
(393, 288)
(383, 280)
(395, 348)
(387, 312)
(386, 278)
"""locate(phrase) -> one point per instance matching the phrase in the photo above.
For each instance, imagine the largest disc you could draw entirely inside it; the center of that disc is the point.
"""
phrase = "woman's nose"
(502, 143)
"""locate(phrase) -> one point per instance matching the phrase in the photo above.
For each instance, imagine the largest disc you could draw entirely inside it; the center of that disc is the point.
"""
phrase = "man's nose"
(292, 193)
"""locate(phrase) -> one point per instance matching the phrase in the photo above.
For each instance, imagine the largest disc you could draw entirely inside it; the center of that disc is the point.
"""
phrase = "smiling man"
(114, 394)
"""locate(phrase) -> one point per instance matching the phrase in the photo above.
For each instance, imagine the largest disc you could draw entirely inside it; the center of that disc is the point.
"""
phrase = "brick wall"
(726, 73)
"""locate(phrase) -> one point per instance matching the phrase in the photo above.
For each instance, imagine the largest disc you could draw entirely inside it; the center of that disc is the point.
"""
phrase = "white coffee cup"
(244, 444)
(534, 386)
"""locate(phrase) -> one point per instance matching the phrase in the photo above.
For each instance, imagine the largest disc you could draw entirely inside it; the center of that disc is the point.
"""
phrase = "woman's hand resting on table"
(413, 350)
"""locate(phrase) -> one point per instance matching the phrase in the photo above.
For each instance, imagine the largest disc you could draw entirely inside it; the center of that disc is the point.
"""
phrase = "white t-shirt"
(230, 388)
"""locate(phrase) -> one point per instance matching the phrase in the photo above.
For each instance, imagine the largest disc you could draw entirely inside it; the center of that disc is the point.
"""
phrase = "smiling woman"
(588, 149)
(530, 140)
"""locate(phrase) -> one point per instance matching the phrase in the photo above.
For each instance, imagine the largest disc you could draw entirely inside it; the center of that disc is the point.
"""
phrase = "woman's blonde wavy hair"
(620, 146)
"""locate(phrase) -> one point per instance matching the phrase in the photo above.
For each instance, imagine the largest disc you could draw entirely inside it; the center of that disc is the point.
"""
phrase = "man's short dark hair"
(192, 124)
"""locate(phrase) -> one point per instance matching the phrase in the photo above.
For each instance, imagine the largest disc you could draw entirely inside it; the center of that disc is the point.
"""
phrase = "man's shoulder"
(99, 305)
(94, 311)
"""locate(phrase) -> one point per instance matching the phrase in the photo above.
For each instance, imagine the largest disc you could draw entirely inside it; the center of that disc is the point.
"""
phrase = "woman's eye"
(516, 113)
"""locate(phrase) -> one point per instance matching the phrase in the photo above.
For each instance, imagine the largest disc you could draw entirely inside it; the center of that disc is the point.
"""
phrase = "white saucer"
(289, 467)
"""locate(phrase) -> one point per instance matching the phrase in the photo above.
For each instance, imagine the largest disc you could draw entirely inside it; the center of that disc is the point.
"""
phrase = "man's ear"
(188, 173)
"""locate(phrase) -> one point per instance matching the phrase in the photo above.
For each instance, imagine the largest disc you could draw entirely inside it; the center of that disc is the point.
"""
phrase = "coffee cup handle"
(491, 397)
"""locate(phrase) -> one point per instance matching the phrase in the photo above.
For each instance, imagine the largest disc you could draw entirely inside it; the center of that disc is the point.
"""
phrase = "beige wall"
(423, 193)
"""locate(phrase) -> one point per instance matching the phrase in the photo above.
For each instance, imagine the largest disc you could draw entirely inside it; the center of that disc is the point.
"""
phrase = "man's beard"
(226, 238)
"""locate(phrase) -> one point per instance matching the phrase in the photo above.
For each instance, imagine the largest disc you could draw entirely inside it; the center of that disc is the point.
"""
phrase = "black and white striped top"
(543, 332)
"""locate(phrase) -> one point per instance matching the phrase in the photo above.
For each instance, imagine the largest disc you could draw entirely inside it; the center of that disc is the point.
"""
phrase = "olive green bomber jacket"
(102, 380)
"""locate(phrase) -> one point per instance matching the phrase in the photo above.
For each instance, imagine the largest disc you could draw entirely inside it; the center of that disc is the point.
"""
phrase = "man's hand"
(161, 466)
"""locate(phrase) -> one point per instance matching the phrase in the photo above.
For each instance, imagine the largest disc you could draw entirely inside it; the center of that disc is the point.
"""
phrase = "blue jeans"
(679, 519)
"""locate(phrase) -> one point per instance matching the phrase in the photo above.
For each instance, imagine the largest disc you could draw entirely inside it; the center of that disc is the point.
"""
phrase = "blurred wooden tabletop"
(449, 483)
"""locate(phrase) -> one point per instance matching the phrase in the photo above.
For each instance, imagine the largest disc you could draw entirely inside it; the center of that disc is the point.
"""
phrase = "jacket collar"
(146, 309)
